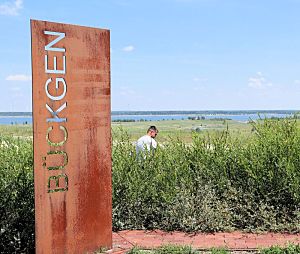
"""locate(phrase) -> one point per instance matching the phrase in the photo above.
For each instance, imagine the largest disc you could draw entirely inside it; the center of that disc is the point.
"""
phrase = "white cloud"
(11, 8)
(259, 81)
(18, 77)
(128, 48)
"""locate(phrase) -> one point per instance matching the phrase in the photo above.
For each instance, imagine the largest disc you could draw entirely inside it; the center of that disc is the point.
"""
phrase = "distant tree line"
(205, 112)
(196, 118)
(15, 113)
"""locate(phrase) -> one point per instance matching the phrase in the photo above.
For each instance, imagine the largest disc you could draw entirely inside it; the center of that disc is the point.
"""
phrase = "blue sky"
(171, 54)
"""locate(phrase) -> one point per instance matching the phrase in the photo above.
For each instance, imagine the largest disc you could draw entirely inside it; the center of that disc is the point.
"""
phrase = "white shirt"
(145, 142)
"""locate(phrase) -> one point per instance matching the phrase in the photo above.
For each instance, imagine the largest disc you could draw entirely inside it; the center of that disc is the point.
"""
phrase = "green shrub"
(216, 183)
(219, 251)
(135, 250)
(290, 249)
(16, 196)
(174, 250)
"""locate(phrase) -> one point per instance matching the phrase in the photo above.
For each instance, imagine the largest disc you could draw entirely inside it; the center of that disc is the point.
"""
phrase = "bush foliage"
(177, 249)
(16, 196)
(290, 249)
(219, 182)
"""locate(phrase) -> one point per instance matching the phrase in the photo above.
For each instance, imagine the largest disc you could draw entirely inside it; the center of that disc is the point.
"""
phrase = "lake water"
(15, 120)
(237, 117)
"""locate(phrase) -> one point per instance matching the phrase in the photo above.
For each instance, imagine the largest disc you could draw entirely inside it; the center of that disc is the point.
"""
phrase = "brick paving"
(125, 240)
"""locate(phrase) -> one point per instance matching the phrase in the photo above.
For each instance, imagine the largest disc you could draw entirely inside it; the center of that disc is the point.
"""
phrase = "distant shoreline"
(15, 114)
(173, 112)
(204, 112)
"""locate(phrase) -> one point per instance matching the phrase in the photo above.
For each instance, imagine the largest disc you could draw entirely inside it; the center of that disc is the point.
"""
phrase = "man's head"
(152, 131)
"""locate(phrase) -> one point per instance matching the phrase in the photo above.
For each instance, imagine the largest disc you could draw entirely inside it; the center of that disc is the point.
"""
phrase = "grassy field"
(19, 130)
(182, 129)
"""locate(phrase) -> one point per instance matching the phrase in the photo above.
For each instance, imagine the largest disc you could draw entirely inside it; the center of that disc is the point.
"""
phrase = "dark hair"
(152, 128)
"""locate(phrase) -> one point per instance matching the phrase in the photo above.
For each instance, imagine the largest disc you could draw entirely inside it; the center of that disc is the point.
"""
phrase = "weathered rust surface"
(72, 149)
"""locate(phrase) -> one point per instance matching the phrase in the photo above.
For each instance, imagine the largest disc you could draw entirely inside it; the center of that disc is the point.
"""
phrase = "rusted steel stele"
(72, 137)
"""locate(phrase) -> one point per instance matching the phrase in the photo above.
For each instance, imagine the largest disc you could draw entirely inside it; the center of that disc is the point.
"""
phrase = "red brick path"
(123, 241)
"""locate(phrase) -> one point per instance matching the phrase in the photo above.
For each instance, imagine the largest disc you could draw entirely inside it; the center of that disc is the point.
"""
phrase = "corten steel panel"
(72, 157)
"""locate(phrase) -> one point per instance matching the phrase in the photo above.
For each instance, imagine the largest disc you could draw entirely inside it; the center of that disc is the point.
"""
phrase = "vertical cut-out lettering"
(53, 153)
(60, 36)
(55, 70)
(57, 143)
(57, 81)
(56, 180)
(55, 118)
